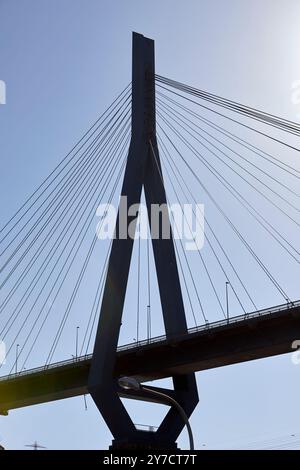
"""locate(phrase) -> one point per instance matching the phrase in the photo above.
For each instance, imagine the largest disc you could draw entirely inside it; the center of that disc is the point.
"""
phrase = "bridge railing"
(213, 325)
(157, 339)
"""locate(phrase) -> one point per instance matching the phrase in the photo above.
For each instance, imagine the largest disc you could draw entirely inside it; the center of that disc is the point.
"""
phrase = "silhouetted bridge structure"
(257, 335)
(48, 258)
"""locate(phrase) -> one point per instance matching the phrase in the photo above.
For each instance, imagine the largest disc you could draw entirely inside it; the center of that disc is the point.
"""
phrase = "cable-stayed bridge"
(253, 336)
(159, 142)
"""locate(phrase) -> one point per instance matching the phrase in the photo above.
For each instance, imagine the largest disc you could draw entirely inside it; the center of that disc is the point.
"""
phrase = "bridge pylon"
(142, 170)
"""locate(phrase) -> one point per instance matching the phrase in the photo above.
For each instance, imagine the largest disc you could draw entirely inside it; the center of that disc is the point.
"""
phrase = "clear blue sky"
(63, 62)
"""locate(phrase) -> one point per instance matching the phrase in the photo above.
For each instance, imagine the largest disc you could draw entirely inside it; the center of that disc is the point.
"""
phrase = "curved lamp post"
(129, 383)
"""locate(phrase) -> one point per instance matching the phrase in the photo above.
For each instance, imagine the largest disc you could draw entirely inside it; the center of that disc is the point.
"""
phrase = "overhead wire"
(190, 146)
(261, 116)
(179, 116)
(183, 251)
(89, 193)
(95, 125)
(108, 179)
(173, 165)
(236, 231)
(65, 317)
(84, 181)
(201, 257)
(246, 126)
(74, 180)
(267, 156)
(242, 200)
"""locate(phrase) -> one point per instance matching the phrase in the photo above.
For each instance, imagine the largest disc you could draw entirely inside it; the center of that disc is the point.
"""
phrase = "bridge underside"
(254, 338)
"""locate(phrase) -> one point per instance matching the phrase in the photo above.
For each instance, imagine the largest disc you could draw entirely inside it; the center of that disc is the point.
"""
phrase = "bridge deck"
(257, 335)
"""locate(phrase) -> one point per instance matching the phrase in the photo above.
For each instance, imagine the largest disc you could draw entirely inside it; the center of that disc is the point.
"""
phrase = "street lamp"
(130, 383)
(17, 356)
(227, 283)
(77, 331)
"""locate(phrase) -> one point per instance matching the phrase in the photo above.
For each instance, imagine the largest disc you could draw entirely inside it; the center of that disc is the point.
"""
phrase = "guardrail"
(216, 324)
(162, 338)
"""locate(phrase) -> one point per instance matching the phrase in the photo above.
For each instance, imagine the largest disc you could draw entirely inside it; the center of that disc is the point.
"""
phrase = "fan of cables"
(238, 164)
